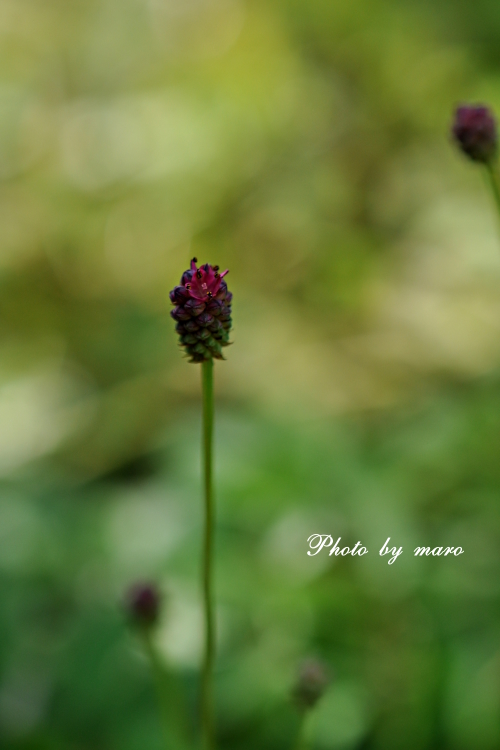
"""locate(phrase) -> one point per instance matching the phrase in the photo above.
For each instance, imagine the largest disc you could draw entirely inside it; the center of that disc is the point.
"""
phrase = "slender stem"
(207, 703)
(301, 743)
(493, 180)
(156, 668)
(170, 699)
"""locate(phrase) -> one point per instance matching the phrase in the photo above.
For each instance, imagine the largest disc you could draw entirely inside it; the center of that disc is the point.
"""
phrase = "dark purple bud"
(215, 325)
(194, 306)
(214, 307)
(221, 294)
(199, 301)
(179, 313)
(142, 603)
(229, 297)
(475, 131)
(312, 681)
(204, 319)
(178, 295)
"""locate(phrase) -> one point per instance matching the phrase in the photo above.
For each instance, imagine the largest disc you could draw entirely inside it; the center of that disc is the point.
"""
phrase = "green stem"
(301, 743)
(163, 698)
(172, 709)
(493, 180)
(207, 703)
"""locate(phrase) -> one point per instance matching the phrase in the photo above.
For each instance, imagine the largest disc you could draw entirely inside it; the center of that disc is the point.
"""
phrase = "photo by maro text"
(318, 542)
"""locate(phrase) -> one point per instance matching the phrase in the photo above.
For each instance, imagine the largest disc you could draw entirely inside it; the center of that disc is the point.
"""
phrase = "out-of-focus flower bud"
(475, 132)
(142, 604)
(202, 311)
(311, 683)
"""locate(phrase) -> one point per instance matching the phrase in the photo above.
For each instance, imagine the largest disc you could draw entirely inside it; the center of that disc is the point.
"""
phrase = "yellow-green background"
(304, 145)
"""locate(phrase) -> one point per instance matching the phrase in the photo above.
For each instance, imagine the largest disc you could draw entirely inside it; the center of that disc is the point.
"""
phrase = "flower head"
(202, 311)
(475, 131)
(311, 683)
(142, 604)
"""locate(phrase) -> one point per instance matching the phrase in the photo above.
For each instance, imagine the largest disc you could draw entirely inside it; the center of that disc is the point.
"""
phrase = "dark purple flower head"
(202, 311)
(475, 132)
(311, 683)
(142, 604)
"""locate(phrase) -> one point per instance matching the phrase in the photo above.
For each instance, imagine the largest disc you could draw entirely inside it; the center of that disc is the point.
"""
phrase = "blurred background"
(303, 144)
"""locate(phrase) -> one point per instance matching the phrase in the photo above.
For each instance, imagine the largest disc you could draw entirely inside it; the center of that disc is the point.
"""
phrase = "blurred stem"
(301, 743)
(172, 709)
(163, 697)
(493, 180)
(207, 707)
